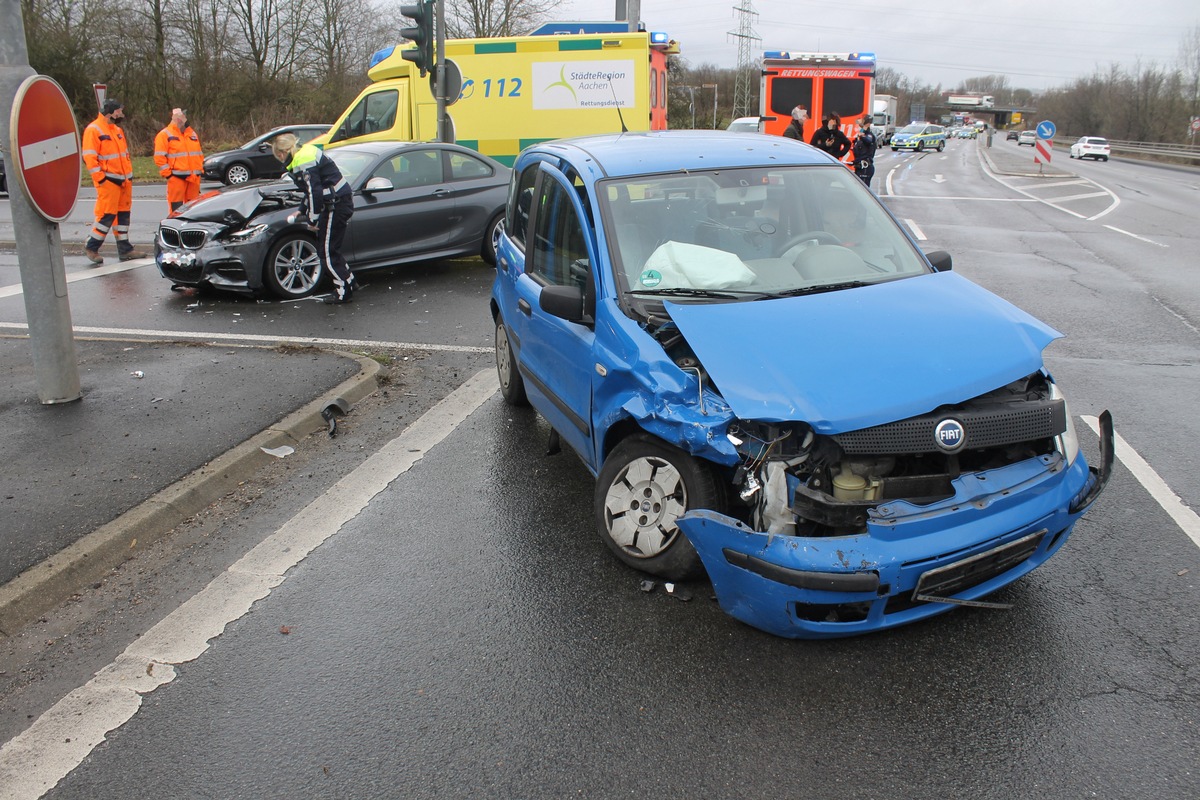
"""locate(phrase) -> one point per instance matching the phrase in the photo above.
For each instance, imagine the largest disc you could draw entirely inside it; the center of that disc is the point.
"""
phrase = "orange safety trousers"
(113, 204)
(182, 190)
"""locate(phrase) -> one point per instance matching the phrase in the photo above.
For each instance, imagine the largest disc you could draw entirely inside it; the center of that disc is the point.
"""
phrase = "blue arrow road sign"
(1046, 130)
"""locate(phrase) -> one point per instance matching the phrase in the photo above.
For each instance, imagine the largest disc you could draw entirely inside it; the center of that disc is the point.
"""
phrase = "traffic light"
(421, 33)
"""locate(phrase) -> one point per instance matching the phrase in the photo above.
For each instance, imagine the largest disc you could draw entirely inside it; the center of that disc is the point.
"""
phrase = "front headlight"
(246, 235)
(1068, 440)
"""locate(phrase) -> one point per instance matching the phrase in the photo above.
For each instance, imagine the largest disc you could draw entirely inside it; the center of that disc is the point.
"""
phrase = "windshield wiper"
(681, 291)
(825, 287)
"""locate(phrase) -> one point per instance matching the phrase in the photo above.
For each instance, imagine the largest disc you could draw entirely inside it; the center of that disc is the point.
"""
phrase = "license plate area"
(952, 578)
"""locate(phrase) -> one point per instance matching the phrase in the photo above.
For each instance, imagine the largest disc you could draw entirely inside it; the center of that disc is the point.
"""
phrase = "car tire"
(1104, 158)
(643, 488)
(512, 385)
(941, 146)
(237, 173)
(920, 147)
(293, 267)
(491, 236)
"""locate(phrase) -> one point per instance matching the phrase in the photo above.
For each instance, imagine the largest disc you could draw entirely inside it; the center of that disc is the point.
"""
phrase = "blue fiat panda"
(733, 335)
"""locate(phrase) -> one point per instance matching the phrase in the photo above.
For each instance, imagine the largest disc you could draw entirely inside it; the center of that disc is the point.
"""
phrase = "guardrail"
(1160, 149)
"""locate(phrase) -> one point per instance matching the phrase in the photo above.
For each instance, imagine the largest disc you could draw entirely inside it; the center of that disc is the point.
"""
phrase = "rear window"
(1094, 140)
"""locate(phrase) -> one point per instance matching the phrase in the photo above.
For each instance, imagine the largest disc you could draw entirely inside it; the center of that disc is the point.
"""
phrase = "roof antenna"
(617, 103)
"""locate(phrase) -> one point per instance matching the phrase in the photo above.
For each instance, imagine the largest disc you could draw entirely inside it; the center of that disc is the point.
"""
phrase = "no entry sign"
(45, 147)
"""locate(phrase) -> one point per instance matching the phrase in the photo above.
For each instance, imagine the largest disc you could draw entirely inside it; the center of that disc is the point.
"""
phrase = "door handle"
(524, 307)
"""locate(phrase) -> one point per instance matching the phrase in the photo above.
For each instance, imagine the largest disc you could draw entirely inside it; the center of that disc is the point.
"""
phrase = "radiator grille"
(984, 427)
(189, 238)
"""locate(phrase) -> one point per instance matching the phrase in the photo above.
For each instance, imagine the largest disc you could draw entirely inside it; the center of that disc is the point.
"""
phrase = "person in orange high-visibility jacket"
(106, 155)
(180, 160)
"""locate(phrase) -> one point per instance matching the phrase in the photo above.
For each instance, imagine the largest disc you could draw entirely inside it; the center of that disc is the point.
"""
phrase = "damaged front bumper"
(214, 263)
(913, 562)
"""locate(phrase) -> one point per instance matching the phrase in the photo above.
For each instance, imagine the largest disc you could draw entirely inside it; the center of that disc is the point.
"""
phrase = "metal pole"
(444, 132)
(39, 245)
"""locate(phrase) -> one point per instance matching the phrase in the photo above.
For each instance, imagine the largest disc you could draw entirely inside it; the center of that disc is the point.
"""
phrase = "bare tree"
(1189, 69)
(471, 19)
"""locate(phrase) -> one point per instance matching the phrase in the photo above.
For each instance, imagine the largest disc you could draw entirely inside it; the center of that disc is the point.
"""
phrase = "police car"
(920, 136)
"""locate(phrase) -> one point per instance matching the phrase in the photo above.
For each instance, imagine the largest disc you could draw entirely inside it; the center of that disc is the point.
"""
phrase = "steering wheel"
(822, 237)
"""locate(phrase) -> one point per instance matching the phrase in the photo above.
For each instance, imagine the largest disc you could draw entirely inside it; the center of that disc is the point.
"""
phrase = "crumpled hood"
(855, 358)
(243, 200)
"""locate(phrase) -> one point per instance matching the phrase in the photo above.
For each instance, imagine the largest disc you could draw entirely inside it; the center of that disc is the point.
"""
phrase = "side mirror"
(940, 260)
(567, 302)
(378, 184)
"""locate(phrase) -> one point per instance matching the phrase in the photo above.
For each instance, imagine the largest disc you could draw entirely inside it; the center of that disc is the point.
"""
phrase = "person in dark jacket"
(829, 136)
(864, 151)
(795, 128)
(327, 206)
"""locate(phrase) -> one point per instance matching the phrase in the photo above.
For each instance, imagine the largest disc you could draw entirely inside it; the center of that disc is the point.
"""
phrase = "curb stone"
(45, 585)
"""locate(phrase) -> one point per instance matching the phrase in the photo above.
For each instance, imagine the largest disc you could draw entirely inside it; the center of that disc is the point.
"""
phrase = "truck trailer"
(883, 120)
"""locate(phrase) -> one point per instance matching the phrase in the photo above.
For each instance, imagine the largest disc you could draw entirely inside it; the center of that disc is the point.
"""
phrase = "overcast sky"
(1038, 44)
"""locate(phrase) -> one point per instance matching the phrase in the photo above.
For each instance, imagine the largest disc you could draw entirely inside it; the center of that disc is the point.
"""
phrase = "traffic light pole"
(444, 132)
(39, 244)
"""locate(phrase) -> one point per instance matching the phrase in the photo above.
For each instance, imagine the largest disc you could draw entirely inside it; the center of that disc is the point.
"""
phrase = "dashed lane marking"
(1135, 236)
(916, 230)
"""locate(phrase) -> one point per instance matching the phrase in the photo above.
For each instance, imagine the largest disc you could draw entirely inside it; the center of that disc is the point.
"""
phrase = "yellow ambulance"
(517, 91)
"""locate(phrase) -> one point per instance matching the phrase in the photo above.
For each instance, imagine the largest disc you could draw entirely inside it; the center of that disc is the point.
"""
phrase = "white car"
(746, 125)
(1091, 147)
(1027, 137)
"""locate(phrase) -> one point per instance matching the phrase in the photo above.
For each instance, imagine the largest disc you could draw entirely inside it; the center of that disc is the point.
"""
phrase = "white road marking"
(1070, 197)
(1184, 517)
(84, 275)
(961, 199)
(917, 232)
(1017, 185)
(1073, 182)
(249, 338)
(59, 740)
(1134, 235)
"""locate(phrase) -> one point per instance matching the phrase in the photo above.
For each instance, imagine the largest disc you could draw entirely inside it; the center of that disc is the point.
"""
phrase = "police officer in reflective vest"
(106, 155)
(327, 206)
(180, 160)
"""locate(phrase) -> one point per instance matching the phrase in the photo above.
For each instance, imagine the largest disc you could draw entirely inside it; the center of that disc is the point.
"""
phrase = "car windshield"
(911, 129)
(750, 234)
(743, 127)
(351, 162)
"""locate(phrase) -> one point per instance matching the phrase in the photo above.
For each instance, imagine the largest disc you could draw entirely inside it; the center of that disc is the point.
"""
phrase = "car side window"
(463, 166)
(413, 169)
(559, 253)
(520, 204)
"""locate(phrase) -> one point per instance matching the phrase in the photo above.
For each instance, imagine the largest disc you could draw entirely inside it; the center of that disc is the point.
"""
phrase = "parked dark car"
(413, 201)
(254, 159)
